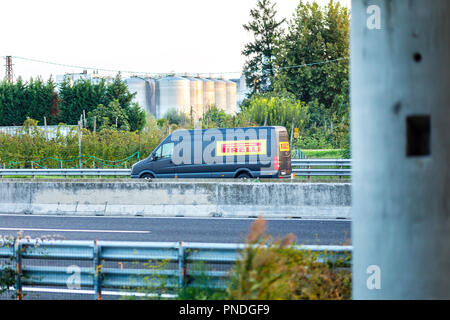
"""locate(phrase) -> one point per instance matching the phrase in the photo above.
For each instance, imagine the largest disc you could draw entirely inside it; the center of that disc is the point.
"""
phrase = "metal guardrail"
(114, 265)
(307, 167)
(65, 172)
(321, 162)
(301, 167)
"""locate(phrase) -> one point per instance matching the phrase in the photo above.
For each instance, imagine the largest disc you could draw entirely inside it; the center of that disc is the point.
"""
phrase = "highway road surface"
(212, 230)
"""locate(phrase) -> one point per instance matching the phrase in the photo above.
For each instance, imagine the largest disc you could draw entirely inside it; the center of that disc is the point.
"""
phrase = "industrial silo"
(231, 97)
(140, 87)
(196, 99)
(209, 95)
(220, 91)
(173, 93)
(151, 95)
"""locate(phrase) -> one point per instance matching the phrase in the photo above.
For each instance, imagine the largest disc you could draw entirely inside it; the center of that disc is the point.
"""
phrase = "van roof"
(262, 127)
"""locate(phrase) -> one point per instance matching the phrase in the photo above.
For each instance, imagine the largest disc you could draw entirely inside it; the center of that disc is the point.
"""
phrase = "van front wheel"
(147, 176)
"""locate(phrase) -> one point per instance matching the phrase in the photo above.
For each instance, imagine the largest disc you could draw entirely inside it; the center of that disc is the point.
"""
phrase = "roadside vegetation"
(296, 70)
(270, 269)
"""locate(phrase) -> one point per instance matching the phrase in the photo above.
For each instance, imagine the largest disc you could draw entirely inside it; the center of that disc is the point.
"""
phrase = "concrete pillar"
(400, 118)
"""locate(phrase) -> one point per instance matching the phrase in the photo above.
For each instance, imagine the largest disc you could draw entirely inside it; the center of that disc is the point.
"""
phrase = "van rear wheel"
(243, 175)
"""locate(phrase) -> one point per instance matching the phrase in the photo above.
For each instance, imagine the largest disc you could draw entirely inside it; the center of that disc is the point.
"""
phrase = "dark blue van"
(219, 153)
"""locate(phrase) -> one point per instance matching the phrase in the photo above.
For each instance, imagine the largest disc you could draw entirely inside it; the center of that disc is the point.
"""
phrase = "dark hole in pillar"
(417, 57)
(418, 136)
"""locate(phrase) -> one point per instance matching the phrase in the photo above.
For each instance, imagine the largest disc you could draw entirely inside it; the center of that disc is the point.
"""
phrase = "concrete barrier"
(171, 198)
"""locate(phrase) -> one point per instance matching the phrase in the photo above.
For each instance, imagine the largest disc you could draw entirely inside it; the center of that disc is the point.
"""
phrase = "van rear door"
(284, 152)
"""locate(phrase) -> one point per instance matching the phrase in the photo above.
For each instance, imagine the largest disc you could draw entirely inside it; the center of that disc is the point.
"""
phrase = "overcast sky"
(195, 36)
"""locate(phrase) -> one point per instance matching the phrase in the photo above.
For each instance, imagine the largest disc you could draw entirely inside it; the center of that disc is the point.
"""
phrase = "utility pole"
(9, 69)
(400, 147)
(79, 141)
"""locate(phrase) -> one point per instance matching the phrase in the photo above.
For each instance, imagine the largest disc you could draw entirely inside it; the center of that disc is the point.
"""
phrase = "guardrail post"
(18, 268)
(97, 269)
(181, 265)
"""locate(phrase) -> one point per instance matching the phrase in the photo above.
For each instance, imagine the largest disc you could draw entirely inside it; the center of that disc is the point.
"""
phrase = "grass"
(324, 153)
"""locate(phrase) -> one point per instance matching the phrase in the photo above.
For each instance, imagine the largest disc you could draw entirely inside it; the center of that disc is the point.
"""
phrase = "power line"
(166, 73)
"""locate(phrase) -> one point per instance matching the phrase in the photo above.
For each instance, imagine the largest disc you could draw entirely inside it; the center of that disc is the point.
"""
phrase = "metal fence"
(101, 268)
(314, 167)
(301, 167)
(50, 132)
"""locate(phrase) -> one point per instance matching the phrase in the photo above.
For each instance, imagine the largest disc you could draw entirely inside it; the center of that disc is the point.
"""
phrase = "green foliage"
(111, 116)
(93, 99)
(333, 135)
(78, 96)
(118, 90)
(196, 286)
(34, 99)
(275, 110)
(176, 117)
(108, 144)
(347, 153)
(217, 118)
(258, 69)
(324, 153)
(267, 270)
(136, 117)
(316, 34)
(9, 275)
(273, 270)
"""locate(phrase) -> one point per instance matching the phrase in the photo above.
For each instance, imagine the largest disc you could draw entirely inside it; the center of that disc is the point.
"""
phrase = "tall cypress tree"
(258, 69)
(13, 100)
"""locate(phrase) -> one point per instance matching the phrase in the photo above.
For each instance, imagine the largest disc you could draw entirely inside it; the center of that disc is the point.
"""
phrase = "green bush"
(278, 271)
(108, 144)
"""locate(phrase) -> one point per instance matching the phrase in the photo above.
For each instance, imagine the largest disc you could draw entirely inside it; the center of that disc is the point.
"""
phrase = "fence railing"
(95, 266)
(311, 167)
(301, 167)
(65, 172)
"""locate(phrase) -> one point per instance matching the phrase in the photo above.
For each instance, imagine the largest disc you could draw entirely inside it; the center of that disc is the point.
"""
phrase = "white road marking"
(74, 230)
(188, 218)
(91, 292)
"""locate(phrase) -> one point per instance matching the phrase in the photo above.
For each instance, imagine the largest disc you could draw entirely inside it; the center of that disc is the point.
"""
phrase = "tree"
(109, 116)
(274, 110)
(316, 35)
(258, 69)
(217, 118)
(78, 96)
(118, 90)
(136, 117)
(174, 116)
(40, 100)
(13, 102)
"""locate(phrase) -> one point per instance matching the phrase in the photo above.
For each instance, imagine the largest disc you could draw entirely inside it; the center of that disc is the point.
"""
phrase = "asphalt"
(212, 230)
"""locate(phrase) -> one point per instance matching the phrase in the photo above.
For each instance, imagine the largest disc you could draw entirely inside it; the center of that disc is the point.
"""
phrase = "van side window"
(157, 153)
(167, 150)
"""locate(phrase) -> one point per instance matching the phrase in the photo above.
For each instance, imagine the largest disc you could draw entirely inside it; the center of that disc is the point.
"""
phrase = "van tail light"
(276, 163)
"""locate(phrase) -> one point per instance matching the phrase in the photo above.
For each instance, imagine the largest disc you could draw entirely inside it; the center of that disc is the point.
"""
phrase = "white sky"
(195, 36)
